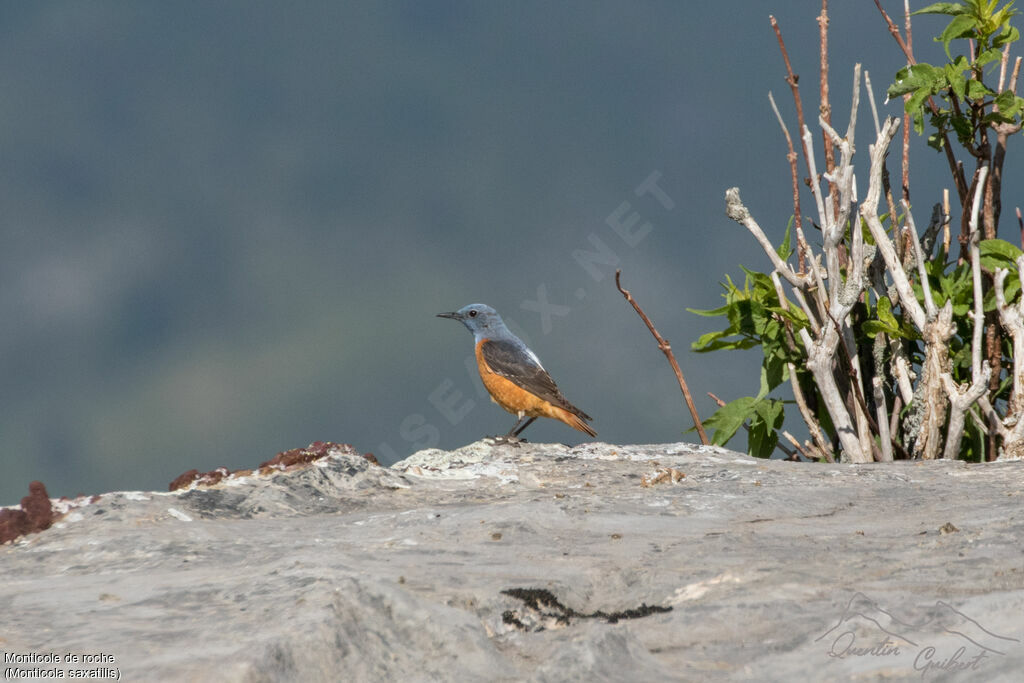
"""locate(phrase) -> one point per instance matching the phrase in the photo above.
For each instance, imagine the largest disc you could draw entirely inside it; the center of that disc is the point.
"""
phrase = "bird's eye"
(472, 314)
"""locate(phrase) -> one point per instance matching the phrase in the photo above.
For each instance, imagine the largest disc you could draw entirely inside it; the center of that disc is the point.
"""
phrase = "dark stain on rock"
(547, 605)
(510, 618)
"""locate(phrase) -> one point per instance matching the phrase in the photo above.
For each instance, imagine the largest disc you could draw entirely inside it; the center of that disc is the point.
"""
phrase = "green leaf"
(773, 373)
(976, 90)
(1007, 103)
(771, 411)
(914, 108)
(964, 129)
(763, 428)
(886, 323)
(729, 418)
(1000, 249)
(784, 250)
(949, 8)
(872, 328)
(710, 312)
(705, 340)
(962, 26)
(988, 56)
(1011, 290)
(720, 344)
(884, 312)
(955, 76)
(1010, 34)
(762, 441)
(913, 78)
(793, 314)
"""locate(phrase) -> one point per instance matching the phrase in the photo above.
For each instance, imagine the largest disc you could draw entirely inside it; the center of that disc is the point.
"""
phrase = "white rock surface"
(348, 571)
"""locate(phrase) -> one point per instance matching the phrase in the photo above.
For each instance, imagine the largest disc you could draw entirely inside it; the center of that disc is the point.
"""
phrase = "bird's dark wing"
(508, 360)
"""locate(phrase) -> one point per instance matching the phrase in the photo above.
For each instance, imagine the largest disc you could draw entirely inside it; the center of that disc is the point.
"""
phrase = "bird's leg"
(515, 432)
(512, 432)
(512, 438)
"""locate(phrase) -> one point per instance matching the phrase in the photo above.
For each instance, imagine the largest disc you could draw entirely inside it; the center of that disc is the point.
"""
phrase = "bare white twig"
(820, 354)
(931, 397)
(801, 241)
(884, 438)
(735, 210)
(869, 211)
(815, 185)
(975, 236)
(901, 368)
(853, 431)
(871, 101)
(1012, 318)
(929, 302)
(798, 395)
(802, 300)
(962, 397)
(1002, 67)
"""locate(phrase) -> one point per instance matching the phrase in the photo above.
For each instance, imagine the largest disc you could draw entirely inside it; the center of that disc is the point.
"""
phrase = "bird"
(513, 375)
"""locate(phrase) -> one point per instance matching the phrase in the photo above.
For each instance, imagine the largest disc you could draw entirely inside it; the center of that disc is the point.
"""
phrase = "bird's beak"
(453, 316)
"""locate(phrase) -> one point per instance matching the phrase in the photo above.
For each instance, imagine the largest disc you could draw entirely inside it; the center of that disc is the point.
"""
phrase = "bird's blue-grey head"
(482, 320)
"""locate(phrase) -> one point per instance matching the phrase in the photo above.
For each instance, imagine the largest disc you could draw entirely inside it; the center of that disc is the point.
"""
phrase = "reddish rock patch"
(285, 460)
(36, 514)
(303, 456)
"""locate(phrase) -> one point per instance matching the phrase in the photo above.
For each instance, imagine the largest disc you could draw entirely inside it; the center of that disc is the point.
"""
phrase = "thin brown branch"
(905, 185)
(1020, 223)
(945, 224)
(798, 447)
(956, 170)
(894, 219)
(793, 81)
(895, 31)
(994, 188)
(825, 108)
(905, 180)
(801, 241)
(666, 348)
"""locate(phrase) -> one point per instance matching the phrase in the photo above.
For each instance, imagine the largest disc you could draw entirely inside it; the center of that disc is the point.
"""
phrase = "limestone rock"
(535, 562)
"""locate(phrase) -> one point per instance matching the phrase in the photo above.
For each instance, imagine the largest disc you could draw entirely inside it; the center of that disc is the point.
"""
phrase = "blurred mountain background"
(227, 227)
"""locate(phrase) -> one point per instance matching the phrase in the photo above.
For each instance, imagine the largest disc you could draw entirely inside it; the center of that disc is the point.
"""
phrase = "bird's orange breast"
(507, 393)
(511, 396)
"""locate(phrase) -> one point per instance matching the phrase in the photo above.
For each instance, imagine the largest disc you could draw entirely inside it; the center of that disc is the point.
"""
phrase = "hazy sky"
(228, 227)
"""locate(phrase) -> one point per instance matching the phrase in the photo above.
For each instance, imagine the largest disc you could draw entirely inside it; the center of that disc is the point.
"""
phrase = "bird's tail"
(576, 422)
